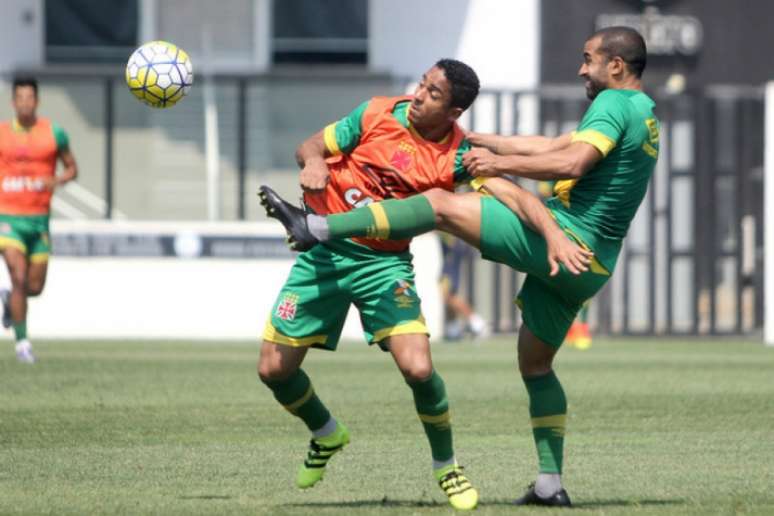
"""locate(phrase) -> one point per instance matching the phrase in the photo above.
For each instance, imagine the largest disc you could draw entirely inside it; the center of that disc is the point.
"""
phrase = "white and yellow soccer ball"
(159, 74)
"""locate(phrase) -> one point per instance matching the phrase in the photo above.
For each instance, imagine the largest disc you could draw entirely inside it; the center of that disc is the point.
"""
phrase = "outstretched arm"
(570, 162)
(535, 214)
(525, 145)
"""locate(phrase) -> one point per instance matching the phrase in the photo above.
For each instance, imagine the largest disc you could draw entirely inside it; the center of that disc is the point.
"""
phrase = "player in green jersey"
(604, 168)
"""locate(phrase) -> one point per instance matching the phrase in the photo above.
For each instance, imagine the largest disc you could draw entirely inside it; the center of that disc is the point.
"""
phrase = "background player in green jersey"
(605, 167)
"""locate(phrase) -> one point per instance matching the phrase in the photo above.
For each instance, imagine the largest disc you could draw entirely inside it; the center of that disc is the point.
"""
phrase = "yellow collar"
(18, 128)
(416, 134)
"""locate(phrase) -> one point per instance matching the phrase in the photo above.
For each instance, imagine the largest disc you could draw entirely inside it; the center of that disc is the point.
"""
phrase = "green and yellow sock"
(297, 395)
(20, 330)
(393, 219)
(548, 410)
(433, 410)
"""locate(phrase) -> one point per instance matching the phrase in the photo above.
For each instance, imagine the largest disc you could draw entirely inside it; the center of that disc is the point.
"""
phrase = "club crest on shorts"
(403, 294)
(286, 310)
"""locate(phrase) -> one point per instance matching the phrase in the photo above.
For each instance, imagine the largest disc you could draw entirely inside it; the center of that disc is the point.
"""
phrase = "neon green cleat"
(462, 495)
(320, 451)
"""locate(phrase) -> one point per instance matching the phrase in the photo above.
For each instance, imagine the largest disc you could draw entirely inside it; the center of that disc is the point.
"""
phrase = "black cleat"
(292, 217)
(558, 499)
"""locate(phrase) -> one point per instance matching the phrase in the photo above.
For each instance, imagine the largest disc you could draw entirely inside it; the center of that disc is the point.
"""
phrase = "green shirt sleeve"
(461, 174)
(62, 141)
(343, 136)
(605, 121)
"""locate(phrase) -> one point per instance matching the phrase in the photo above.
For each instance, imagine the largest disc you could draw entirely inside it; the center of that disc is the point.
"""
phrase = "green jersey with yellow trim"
(343, 136)
(603, 202)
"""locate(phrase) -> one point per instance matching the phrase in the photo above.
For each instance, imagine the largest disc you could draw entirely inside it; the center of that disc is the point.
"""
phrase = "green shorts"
(28, 234)
(313, 304)
(549, 304)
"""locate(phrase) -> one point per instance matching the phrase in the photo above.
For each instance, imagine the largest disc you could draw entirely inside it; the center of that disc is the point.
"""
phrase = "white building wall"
(499, 39)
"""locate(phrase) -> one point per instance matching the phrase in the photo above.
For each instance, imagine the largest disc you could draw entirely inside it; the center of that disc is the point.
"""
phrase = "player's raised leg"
(393, 219)
(411, 353)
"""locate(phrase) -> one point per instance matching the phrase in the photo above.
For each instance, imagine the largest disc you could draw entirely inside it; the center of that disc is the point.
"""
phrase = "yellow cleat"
(583, 336)
(320, 451)
(462, 495)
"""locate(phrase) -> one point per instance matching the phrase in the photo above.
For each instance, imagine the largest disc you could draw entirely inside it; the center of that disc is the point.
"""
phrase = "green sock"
(297, 396)
(20, 329)
(433, 410)
(393, 219)
(548, 410)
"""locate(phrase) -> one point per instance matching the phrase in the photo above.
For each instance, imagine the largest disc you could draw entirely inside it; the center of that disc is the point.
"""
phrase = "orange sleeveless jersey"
(390, 161)
(25, 159)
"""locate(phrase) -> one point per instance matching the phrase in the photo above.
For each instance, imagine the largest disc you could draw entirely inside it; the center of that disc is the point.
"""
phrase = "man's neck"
(26, 122)
(435, 134)
(630, 83)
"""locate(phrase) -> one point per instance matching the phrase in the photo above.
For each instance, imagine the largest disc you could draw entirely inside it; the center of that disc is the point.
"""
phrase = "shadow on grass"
(205, 497)
(591, 504)
(384, 502)
(388, 502)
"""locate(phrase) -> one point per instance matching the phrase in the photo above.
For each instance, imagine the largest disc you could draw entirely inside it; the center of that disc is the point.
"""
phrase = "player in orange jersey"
(29, 149)
(387, 148)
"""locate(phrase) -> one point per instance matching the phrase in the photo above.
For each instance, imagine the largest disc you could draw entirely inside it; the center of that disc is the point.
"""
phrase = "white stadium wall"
(209, 281)
(21, 35)
(500, 40)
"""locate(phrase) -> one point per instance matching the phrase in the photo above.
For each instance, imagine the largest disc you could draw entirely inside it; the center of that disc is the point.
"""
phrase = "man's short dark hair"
(626, 43)
(18, 82)
(463, 80)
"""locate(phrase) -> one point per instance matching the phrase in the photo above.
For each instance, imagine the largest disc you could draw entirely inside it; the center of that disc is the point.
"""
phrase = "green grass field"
(655, 427)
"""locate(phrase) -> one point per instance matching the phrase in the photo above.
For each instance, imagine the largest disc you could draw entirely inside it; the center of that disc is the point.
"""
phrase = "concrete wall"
(179, 298)
(21, 34)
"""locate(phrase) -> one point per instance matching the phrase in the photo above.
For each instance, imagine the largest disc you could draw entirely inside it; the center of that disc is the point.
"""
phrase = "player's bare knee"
(274, 364)
(270, 370)
(534, 366)
(19, 280)
(440, 201)
(34, 290)
(417, 372)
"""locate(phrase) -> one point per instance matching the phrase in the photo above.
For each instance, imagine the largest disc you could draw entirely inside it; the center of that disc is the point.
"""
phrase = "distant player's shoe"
(5, 297)
(453, 330)
(479, 327)
(320, 452)
(24, 352)
(558, 499)
(583, 336)
(292, 217)
(462, 495)
(572, 335)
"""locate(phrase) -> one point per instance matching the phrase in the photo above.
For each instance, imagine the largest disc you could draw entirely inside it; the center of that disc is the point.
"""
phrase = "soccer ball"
(159, 74)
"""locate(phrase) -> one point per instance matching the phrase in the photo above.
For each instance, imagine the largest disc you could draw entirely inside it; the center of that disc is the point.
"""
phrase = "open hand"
(562, 250)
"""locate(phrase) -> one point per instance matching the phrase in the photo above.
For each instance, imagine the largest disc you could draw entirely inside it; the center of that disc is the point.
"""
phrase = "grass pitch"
(655, 427)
